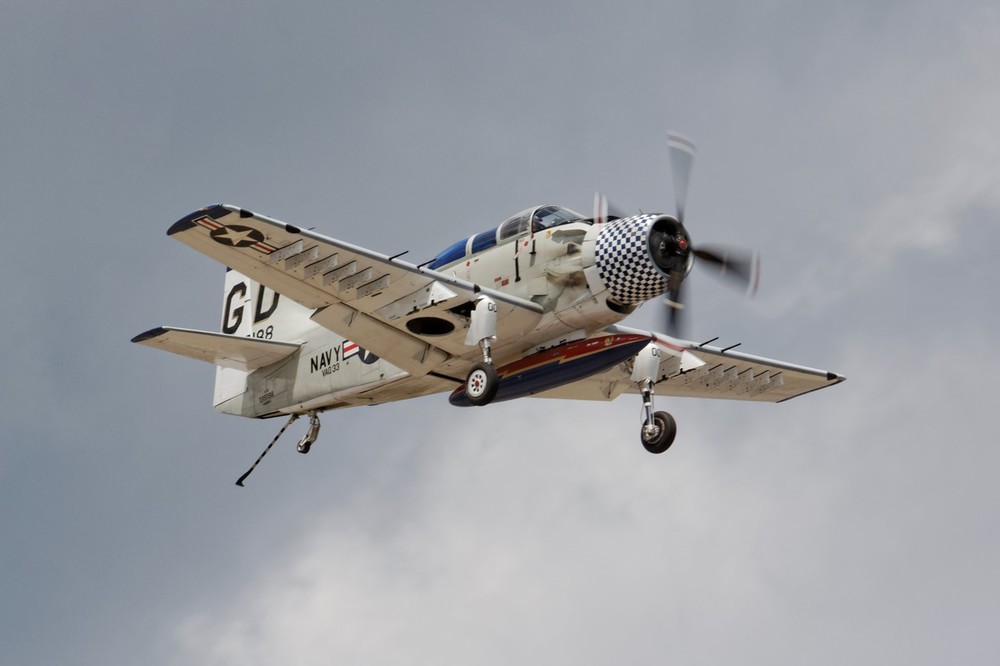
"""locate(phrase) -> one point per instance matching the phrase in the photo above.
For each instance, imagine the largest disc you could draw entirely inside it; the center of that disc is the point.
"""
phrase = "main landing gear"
(658, 428)
(482, 382)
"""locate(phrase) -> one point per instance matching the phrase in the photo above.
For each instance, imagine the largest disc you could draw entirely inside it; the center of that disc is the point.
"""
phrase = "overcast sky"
(855, 144)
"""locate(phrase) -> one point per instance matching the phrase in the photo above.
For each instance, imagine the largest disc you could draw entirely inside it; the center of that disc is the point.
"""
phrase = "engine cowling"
(637, 256)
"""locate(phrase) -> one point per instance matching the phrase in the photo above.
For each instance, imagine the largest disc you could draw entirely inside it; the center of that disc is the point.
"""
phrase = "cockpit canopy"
(536, 219)
(541, 218)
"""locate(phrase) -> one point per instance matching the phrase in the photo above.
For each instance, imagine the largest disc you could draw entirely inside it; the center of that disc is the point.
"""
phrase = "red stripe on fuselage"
(568, 352)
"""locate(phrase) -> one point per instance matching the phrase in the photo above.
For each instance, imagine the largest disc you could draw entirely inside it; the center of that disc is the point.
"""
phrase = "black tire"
(666, 431)
(481, 384)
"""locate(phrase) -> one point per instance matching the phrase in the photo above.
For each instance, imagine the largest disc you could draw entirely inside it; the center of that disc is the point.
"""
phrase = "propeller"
(676, 251)
(682, 152)
(600, 208)
(741, 267)
(605, 211)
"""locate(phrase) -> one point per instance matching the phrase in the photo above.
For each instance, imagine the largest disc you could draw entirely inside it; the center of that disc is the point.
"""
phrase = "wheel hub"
(650, 432)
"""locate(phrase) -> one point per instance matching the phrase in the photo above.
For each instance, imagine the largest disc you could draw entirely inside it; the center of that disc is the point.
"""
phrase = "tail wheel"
(481, 384)
(659, 435)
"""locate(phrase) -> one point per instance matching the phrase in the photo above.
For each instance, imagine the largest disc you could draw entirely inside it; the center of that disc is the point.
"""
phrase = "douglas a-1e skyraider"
(528, 308)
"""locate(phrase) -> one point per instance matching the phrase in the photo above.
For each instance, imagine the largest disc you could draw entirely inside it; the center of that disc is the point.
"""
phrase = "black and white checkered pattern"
(624, 262)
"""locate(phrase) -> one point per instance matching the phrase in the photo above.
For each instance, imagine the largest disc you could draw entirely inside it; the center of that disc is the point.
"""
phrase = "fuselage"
(583, 276)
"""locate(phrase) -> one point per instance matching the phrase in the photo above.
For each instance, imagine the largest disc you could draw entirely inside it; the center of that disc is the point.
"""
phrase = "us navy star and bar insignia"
(235, 235)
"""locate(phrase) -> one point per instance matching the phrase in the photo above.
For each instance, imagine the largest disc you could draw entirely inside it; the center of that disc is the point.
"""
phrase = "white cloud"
(507, 552)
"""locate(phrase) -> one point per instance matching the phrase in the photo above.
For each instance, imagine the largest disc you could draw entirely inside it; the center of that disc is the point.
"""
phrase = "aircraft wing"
(688, 369)
(413, 317)
(229, 351)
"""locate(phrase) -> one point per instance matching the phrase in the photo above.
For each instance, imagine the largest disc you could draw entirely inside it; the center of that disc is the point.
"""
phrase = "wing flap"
(228, 351)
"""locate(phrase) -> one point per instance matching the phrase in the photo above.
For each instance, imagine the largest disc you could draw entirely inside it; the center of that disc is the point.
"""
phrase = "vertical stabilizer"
(229, 382)
(254, 311)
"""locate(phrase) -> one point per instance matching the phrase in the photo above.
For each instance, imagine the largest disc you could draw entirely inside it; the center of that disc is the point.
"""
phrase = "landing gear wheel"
(658, 437)
(482, 383)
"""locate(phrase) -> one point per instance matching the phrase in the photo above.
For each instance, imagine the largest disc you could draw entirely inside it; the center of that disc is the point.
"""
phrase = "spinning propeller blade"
(738, 266)
(682, 152)
(600, 208)
(675, 305)
(604, 211)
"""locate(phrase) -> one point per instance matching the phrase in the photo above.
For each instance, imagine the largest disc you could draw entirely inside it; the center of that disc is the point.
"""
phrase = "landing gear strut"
(658, 428)
(482, 382)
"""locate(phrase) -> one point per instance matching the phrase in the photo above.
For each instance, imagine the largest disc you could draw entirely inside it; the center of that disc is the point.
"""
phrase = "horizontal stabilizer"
(228, 351)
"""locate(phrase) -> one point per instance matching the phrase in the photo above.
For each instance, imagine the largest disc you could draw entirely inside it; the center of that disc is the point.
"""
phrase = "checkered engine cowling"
(625, 263)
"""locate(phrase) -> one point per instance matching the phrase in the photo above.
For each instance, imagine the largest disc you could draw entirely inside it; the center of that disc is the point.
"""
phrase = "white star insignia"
(237, 236)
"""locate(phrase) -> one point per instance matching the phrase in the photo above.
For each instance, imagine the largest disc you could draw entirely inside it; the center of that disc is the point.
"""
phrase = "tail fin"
(252, 310)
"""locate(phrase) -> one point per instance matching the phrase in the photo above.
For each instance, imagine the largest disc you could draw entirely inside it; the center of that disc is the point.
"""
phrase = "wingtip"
(150, 334)
(215, 211)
